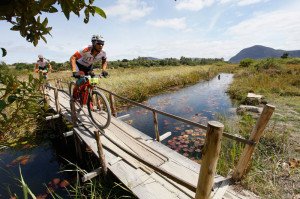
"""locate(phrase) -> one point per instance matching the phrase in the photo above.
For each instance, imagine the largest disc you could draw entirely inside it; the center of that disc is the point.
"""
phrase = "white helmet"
(97, 39)
(40, 56)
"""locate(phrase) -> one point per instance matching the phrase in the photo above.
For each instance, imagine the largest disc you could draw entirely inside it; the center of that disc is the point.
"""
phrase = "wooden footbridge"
(146, 166)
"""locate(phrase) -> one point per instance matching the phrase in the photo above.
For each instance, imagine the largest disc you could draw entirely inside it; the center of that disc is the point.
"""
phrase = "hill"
(260, 52)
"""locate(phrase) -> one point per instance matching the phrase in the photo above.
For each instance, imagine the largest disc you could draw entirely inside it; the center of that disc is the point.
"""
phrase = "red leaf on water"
(55, 181)
(64, 184)
(43, 196)
(20, 160)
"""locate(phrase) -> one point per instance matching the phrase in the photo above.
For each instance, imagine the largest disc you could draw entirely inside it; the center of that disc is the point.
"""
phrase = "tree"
(25, 17)
(285, 55)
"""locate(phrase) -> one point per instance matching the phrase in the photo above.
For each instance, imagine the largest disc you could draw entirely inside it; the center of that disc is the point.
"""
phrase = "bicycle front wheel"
(99, 109)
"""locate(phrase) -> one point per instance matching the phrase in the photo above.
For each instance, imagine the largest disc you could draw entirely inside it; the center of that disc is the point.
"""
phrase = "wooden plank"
(130, 176)
(181, 172)
(86, 136)
(165, 135)
(219, 191)
(133, 144)
(123, 117)
(173, 155)
(173, 187)
(130, 130)
(114, 161)
(152, 189)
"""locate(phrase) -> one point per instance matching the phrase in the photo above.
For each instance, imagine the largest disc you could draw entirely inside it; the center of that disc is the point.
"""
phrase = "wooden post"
(60, 84)
(157, 136)
(73, 112)
(46, 101)
(77, 147)
(256, 134)
(210, 156)
(101, 153)
(112, 105)
(56, 100)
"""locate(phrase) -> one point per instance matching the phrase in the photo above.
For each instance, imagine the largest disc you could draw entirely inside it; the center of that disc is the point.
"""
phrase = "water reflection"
(40, 168)
(200, 103)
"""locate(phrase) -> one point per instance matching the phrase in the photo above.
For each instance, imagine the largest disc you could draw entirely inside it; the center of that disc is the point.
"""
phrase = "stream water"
(41, 165)
(200, 103)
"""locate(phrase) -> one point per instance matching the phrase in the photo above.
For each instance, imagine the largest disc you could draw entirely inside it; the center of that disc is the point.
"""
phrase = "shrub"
(245, 63)
(293, 61)
(269, 63)
(19, 106)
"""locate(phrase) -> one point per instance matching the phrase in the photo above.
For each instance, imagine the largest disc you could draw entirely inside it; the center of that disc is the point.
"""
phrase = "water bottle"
(80, 81)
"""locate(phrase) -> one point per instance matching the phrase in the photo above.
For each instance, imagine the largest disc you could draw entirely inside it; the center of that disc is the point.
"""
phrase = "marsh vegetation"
(274, 171)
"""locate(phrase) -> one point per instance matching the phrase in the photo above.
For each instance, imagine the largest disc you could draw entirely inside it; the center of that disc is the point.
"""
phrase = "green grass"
(278, 81)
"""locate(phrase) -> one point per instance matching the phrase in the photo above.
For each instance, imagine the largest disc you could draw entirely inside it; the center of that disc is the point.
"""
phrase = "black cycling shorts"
(43, 68)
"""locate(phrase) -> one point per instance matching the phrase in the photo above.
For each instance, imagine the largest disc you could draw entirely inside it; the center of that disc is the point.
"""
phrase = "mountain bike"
(84, 92)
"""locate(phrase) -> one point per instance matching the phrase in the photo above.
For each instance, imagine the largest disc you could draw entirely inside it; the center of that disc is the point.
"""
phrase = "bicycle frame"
(82, 92)
(97, 104)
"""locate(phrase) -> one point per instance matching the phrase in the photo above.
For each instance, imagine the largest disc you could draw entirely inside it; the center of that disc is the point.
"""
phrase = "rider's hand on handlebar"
(75, 74)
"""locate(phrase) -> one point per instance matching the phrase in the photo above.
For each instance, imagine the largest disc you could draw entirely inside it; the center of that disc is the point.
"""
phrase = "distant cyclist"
(42, 66)
(83, 60)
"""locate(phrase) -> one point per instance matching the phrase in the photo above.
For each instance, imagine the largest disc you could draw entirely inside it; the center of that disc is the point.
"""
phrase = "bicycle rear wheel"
(99, 109)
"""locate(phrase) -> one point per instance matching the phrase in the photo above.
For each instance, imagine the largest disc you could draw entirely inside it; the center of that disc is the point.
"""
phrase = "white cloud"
(128, 10)
(242, 2)
(225, 1)
(274, 28)
(194, 5)
(175, 23)
(248, 2)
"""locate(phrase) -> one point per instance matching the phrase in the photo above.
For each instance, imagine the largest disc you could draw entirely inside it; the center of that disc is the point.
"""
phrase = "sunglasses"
(100, 43)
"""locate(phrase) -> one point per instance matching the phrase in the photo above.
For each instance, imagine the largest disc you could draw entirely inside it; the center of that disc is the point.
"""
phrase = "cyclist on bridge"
(83, 60)
(42, 66)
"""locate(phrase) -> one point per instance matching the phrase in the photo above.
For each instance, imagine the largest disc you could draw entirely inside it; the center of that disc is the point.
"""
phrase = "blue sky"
(166, 28)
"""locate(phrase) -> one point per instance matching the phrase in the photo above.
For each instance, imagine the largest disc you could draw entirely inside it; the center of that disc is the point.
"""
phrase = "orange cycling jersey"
(85, 57)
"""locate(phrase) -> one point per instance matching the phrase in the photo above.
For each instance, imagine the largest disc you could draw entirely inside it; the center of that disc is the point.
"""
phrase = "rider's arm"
(104, 64)
(36, 67)
(73, 63)
(50, 67)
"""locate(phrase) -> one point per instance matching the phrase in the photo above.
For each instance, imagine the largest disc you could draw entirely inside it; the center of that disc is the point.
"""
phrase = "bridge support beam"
(91, 175)
(73, 112)
(56, 100)
(165, 135)
(69, 133)
(52, 117)
(155, 120)
(210, 156)
(112, 105)
(101, 153)
(77, 146)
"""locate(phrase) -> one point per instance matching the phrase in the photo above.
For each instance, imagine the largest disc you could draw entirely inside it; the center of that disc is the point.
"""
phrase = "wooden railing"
(212, 146)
